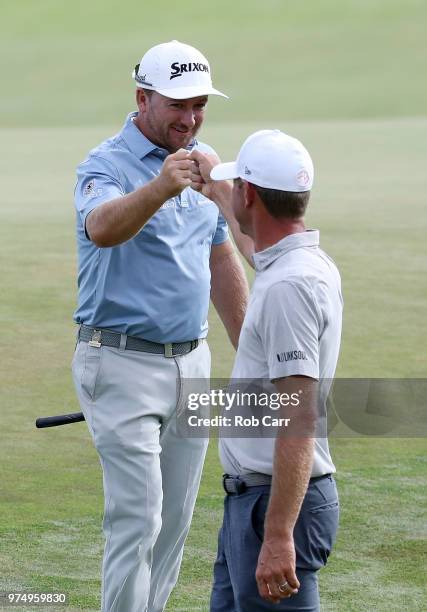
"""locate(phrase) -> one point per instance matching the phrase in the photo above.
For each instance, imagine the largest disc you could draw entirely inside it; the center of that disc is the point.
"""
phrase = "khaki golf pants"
(151, 474)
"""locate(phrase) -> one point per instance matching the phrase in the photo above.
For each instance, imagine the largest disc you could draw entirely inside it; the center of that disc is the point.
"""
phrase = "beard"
(171, 137)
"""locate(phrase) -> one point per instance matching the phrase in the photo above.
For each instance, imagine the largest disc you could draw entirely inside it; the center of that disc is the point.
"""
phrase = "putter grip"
(61, 419)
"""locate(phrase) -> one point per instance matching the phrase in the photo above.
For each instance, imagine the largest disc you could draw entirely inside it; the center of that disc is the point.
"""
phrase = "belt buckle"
(168, 348)
(96, 338)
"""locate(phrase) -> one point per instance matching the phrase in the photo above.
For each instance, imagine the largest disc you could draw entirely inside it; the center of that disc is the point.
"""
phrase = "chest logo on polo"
(168, 204)
(178, 69)
(292, 356)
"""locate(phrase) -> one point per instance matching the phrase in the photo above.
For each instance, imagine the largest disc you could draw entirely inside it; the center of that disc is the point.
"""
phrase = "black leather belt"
(239, 484)
(105, 337)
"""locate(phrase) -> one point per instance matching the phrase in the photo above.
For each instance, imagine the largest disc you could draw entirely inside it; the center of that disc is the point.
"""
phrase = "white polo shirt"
(292, 327)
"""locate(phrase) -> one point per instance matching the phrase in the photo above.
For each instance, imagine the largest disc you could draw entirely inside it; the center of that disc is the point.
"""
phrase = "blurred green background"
(70, 63)
(347, 78)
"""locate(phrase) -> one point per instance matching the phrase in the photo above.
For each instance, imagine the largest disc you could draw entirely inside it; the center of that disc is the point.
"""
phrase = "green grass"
(70, 64)
(345, 77)
(51, 497)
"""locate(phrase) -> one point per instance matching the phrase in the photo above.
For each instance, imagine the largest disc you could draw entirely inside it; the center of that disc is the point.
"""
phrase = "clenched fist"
(201, 179)
(175, 175)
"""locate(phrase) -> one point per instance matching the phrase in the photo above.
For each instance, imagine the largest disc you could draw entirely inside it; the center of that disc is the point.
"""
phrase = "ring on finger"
(284, 586)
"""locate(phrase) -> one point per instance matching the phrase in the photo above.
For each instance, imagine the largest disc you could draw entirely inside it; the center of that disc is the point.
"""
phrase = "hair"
(284, 204)
(147, 92)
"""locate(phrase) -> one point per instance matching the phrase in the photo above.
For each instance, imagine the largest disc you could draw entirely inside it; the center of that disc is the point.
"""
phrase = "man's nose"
(188, 119)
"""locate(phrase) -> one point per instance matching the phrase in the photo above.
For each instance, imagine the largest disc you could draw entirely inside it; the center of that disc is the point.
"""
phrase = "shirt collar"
(139, 144)
(308, 238)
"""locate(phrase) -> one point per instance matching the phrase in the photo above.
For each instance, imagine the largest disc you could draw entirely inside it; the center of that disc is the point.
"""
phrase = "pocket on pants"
(324, 518)
(323, 530)
(316, 527)
(91, 369)
(257, 514)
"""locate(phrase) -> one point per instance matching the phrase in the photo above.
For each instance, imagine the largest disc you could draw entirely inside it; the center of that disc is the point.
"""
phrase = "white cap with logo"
(271, 159)
(175, 70)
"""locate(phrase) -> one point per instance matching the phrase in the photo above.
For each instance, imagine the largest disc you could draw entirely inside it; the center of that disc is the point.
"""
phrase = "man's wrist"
(275, 529)
(277, 524)
(221, 192)
(159, 192)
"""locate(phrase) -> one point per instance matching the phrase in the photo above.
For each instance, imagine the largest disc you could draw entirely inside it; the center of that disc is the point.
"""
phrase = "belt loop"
(240, 485)
(123, 340)
(78, 335)
(168, 350)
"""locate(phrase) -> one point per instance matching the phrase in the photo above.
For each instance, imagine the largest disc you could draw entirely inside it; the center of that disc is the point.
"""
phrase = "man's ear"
(141, 99)
(249, 194)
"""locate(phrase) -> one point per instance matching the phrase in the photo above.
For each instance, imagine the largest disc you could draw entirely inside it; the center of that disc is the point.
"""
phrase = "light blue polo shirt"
(157, 285)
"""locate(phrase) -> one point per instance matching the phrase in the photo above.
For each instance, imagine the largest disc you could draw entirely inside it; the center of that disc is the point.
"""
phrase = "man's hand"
(275, 573)
(201, 175)
(220, 192)
(175, 175)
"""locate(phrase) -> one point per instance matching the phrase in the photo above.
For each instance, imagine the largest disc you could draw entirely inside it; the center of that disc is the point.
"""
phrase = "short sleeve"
(221, 233)
(289, 329)
(97, 182)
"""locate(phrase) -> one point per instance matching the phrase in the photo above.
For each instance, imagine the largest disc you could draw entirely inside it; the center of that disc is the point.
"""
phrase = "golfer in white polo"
(281, 507)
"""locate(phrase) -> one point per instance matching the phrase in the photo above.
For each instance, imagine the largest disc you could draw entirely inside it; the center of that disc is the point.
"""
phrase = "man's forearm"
(120, 219)
(229, 289)
(222, 197)
(291, 473)
(293, 459)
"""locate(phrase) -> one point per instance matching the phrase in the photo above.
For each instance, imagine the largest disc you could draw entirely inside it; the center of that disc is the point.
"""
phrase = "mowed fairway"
(346, 78)
(51, 482)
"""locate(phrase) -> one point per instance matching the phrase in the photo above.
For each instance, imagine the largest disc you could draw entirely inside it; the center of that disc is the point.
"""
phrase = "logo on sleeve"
(178, 69)
(89, 191)
(292, 356)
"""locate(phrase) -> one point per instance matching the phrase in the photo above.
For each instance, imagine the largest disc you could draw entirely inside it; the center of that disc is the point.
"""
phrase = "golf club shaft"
(60, 419)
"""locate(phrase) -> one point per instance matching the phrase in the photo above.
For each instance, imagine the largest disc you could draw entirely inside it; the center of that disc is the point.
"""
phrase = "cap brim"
(184, 93)
(223, 172)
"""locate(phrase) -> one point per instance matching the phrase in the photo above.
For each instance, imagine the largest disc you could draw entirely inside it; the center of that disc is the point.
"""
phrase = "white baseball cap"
(271, 159)
(175, 70)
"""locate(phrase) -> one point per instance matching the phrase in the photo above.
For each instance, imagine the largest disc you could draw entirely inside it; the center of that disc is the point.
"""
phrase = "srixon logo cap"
(175, 70)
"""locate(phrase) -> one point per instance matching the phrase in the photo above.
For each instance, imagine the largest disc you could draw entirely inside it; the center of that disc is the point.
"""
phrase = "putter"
(60, 419)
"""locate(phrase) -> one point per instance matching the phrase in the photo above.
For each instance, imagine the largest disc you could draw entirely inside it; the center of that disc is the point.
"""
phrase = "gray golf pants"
(151, 475)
